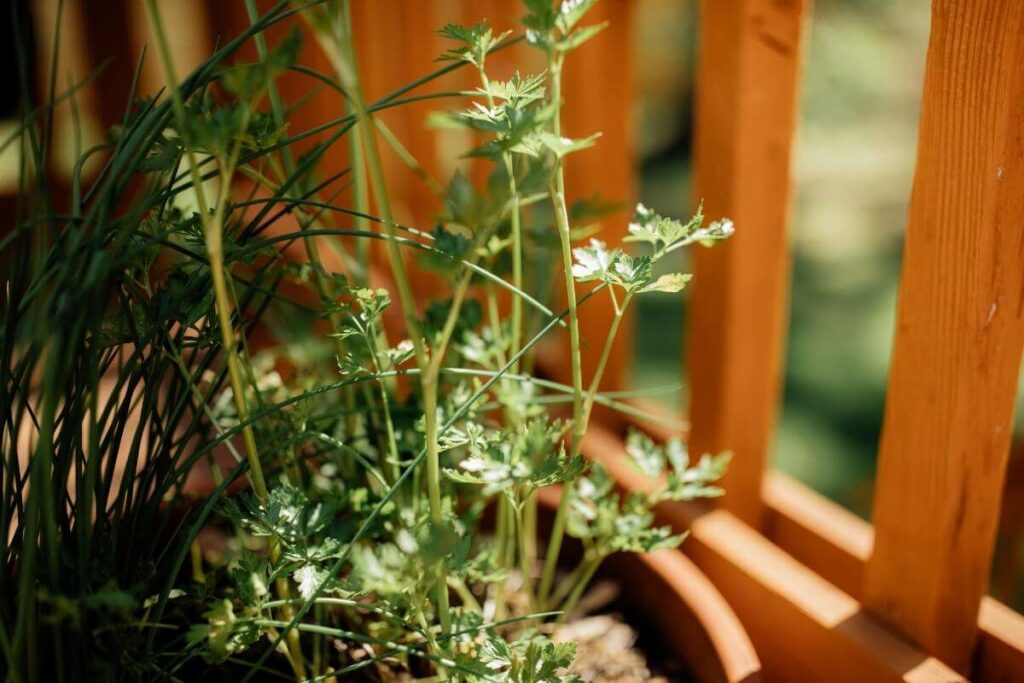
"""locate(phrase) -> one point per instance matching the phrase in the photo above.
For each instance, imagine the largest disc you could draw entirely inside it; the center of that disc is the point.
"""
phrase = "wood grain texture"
(803, 627)
(836, 544)
(959, 334)
(709, 636)
(999, 657)
(745, 120)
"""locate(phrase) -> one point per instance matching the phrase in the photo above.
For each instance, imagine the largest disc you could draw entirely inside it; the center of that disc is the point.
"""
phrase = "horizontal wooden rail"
(745, 121)
(836, 544)
(803, 627)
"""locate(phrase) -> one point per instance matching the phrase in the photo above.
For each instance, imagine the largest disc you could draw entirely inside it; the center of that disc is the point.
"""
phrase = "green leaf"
(517, 90)
(453, 245)
(665, 233)
(477, 41)
(670, 283)
(631, 272)
(308, 579)
(544, 661)
(648, 226)
(562, 146)
(594, 262)
(646, 455)
(539, 22)
(579, 37)
(717, 230)
(558, 469)
(570, 12)
(615, 267)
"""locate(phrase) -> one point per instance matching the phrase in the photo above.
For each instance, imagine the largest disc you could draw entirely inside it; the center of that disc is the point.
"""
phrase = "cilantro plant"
(376, 470)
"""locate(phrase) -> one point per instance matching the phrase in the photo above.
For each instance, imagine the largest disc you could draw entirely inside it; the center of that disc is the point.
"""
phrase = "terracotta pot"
(690, 616)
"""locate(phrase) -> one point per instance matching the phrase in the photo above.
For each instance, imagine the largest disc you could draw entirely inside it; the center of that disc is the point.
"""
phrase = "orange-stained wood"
(709, 636)
(750, 57)
(74, 66)
(823, 535)
(186, 23)
(836, 544)
(959, 334)
(1000, 654)
(598, 92)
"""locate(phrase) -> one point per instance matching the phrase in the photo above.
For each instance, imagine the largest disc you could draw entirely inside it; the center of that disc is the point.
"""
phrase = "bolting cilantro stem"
(595, 382)
(588, 568)
(213, 235)
(524, 559)
(360, 192)
(516, 230)
(343, 57)
(527, 532)
(213, 227)
(578, 427)
(581, 577)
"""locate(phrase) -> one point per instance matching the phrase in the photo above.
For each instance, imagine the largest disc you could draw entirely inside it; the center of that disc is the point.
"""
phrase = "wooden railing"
(824, 595)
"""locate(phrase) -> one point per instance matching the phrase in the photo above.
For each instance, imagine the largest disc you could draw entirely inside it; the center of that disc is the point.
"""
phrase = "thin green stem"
(591, 396)
(602, 362)
(212, 231)
(581, 584)
(527, 534)
(501, 548)
(213, 236)
(468, 599)
(516, 230)
(346, 67)
(579, 428)
(360, 192)
(525, 566)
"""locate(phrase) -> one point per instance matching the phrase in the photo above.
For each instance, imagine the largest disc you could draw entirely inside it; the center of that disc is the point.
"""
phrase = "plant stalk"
(579, 426)
(345, 65)
(213, 236)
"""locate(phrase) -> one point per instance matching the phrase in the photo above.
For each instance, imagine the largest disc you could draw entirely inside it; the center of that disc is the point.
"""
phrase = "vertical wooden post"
(382, 68)
(73, 66)
(187, 25)
(598, 92)
(959, 334)
(420, 48)
(749, 63)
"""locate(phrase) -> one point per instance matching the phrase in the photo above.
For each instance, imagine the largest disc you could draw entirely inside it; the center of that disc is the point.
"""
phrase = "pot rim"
(711, 625)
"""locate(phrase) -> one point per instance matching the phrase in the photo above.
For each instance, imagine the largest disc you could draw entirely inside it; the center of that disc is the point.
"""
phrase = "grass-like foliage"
(374, 476)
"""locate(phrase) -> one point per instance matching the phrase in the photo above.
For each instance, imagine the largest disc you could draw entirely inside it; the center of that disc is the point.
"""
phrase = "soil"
(615, 644)
(606, 650)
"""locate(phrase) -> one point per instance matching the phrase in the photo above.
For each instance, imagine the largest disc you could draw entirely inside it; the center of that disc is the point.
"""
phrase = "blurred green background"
(853, 168)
